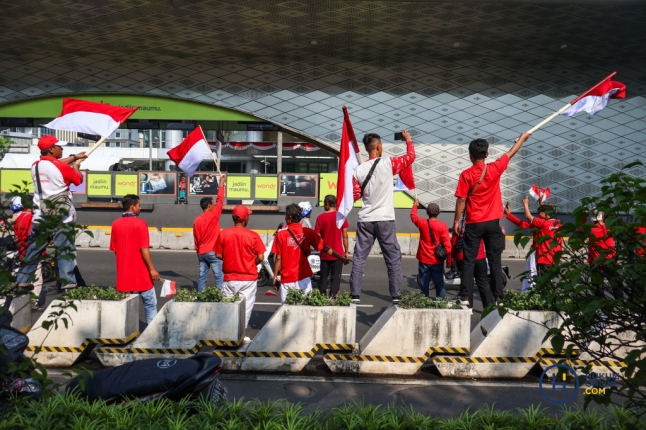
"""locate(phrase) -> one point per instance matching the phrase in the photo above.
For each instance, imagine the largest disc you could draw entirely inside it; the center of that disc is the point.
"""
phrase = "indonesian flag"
(406, 180)
(541, 194)
(597, 99)
(190, 153)
(348, 161)
(545, 194)
(90, 117)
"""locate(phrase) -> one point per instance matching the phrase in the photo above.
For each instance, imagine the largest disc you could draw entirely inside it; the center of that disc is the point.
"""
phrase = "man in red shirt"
(600, 249)
(331, 234)
(240, 250)
(22, 221)
(292, 247)
(52, 176)
(479, 190)
(429, 265)
(206, 229)
(130, 242)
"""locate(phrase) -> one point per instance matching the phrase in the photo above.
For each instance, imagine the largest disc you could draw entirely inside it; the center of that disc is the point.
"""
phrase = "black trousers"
(482, 281)
(494, 241)
(334, 266)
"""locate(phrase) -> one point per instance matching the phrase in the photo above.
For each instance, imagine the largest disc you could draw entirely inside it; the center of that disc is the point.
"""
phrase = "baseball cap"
(16, 204)
(241, 212)
(49, 141)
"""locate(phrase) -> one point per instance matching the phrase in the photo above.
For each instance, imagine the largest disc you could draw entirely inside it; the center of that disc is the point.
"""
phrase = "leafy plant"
(94, 293)
(410, 300)
(602, 302)
(316, 298)
(210, 295)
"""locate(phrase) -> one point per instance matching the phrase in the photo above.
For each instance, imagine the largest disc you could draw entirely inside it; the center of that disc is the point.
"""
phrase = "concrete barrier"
(20, 308)
(403, 339)
(94, 322)
(177, 238)
(181, 329)
(404, 243)
(504, 347)
(292, 336)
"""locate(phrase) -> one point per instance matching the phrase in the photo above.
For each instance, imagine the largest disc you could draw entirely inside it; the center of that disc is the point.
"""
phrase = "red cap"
(241, 212)
(49, 141)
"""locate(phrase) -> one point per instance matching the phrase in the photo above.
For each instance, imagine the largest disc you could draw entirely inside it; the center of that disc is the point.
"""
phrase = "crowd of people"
(471, 248)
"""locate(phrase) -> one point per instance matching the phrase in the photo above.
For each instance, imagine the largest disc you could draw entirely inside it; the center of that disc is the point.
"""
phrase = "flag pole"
(569, 105)
(96, 145)
(206, 142)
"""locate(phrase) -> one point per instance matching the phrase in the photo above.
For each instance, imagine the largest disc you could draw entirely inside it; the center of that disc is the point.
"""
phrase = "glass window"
(117, 134)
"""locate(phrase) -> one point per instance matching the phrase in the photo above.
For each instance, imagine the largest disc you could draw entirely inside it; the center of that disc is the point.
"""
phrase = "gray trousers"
(386, 235)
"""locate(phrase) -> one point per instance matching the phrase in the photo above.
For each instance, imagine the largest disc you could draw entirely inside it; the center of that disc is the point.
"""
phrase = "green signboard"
(238, 187)
(150, 107)
(13, 180)
(125, 183)
(266, 188)
(99, 184)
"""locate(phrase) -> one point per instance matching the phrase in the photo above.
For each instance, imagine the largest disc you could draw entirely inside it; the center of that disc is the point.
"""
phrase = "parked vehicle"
(154, 378)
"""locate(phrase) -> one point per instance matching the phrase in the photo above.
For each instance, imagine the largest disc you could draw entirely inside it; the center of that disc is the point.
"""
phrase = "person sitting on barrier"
(240, 250)
(432, 232)
(206, 230)
(292, 247)
(130, 242)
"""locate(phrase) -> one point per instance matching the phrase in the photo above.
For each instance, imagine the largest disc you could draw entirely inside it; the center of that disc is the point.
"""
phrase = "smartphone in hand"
(399, 136)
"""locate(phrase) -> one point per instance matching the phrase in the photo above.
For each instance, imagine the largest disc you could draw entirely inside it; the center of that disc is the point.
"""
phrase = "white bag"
(168, 289)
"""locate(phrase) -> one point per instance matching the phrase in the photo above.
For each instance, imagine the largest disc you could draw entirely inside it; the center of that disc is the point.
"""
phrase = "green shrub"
(410, 300)
(316, 298)
(63, 413)
(94, 293)
(209, 295)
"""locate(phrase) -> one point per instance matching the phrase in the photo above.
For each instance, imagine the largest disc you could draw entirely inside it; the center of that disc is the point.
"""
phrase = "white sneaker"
(69, 287)
(246, 340)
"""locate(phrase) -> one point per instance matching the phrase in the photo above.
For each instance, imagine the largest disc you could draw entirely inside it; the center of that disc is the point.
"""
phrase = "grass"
(60, 412)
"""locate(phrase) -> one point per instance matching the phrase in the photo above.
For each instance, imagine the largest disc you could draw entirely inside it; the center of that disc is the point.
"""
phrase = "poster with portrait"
(204, 184)
(292, 185)
(157, 183)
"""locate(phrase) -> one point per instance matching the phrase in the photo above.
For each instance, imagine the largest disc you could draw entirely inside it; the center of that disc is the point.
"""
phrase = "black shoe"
(355, 300)
(396, 300)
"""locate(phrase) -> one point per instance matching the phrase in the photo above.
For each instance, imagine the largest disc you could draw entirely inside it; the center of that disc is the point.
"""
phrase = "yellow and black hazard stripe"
(552, 352)
(55, 349)
(397, 358)
(87, 345)
(583, 363)
(176, 351)
(303, 354)
(488, 360)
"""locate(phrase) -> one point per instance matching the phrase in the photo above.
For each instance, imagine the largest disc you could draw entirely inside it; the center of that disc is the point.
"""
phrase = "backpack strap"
(372, 170)
(430, 232)
(479, 180)
(40, 187)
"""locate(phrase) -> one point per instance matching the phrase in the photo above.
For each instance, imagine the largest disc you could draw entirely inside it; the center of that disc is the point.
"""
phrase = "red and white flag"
(90, 117)
(545, 194)
(405, 180)
(348, 161)
(597, 98)
(190, 153)
(541, 194)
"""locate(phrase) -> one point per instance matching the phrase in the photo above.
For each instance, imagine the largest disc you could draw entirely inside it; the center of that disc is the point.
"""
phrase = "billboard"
(125, 183)
(238, 187)
(266, 188)
(13, 180)
(157, 183)
(298, 186)
(204, 184)
(99, 184)
(80, 189)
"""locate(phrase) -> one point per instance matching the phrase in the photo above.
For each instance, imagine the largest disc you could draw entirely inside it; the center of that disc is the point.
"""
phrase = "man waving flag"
(348, 161)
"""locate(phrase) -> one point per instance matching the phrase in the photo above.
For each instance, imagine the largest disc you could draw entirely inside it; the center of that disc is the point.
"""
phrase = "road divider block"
(20, 308)
(92, 323)
(177, 238)
(181, 329)
(293, 334)
(401, 340)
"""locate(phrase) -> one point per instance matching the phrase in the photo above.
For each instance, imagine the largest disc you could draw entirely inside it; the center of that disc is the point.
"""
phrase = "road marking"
(278, 304)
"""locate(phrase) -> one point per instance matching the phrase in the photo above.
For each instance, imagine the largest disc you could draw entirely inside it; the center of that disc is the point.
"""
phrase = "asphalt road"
(98, 267)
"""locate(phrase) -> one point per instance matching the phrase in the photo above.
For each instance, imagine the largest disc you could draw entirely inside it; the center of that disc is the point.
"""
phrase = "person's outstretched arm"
(403, 161)
(517, 144)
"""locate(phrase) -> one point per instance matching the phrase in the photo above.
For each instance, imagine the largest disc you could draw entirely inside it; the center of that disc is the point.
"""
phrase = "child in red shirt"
(292, 246)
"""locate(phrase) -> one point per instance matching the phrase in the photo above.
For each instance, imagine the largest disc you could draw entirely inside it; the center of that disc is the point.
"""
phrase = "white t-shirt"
(55, 178)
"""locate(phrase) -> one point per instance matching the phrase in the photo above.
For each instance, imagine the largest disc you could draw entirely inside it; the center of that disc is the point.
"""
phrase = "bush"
(94, 293)
(316, 298)
(70, 412)
(410, 300)
(210, 295)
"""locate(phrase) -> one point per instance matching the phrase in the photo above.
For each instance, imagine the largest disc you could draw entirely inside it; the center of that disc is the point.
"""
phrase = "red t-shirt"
(129, 235)
(485, 204)
(239, 248)
(426, 249)
(22, 228)
(457, 248)
(326, 227)
(206, 227)
(641, 251)
(544, 251)
(602, 240)
(294, 263)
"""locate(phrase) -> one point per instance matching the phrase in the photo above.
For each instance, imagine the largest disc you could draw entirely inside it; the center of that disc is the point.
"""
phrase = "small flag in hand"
(270, 292)
(168, 289)
(190, 153)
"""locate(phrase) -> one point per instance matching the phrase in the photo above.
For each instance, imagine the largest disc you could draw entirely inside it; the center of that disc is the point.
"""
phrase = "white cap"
(16, 201)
